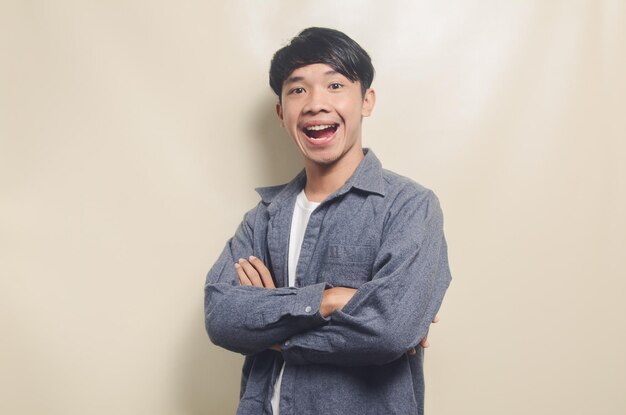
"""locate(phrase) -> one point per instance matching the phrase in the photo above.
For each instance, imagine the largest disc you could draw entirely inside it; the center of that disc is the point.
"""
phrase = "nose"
(317, 101)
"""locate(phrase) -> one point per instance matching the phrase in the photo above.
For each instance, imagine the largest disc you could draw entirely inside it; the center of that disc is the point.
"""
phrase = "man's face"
(322, 111)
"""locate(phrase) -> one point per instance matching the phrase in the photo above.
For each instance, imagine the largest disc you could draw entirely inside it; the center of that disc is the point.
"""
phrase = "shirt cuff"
(308, 301)
(305, 349)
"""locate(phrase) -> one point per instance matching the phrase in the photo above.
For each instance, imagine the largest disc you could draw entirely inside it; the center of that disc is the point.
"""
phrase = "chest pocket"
(348, 265)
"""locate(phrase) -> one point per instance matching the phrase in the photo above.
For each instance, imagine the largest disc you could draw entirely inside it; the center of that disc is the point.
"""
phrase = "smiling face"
(322, 111)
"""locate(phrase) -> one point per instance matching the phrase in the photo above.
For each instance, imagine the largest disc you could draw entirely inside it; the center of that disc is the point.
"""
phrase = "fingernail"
(251, 257)
(241, 260)
(237, 265)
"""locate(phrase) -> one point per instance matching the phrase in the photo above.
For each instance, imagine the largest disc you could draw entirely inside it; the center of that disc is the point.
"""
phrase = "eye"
(298, 90)
(335, 85)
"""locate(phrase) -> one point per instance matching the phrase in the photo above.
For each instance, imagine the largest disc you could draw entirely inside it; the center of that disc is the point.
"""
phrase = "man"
(332, 280)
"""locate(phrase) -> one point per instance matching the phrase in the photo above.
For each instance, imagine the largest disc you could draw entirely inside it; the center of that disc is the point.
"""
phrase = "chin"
(325, 159)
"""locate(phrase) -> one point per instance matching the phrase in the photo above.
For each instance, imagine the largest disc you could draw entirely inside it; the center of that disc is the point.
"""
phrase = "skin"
(317, 95)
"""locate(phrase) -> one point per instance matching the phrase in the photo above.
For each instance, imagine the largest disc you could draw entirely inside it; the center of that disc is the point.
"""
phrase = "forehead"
(312, 71)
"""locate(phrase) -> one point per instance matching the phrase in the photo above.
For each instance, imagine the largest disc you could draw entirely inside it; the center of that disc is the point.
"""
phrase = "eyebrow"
(293, 79)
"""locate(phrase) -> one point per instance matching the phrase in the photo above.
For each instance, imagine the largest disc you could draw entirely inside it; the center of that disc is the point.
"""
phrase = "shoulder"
(408, 201)
(267, 194)
(401, 188)
(272, 197)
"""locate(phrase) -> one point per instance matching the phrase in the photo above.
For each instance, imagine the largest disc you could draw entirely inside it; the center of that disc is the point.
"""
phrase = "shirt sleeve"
(392, 312)
(248, 319)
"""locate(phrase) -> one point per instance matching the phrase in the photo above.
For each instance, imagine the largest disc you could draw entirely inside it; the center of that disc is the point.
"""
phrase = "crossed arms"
(253, 272)
(318, 324)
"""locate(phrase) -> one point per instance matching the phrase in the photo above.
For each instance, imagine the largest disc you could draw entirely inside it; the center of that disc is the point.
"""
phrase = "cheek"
(350, 109)
(351, 115)
(287, 121)
(290, 117)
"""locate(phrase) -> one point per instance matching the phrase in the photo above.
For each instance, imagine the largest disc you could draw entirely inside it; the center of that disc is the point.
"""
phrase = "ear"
(368, 102)
(279, 112)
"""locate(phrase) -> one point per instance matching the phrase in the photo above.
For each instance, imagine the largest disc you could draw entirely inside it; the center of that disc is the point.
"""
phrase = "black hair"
(322, 45)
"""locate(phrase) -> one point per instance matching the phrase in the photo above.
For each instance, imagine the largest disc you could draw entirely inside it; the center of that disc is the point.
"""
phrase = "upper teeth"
(319, 127)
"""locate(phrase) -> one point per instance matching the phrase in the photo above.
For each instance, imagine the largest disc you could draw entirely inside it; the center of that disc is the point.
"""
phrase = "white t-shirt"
(299, 220)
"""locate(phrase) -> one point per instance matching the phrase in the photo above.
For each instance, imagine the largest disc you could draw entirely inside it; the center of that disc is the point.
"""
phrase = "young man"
(332, 280)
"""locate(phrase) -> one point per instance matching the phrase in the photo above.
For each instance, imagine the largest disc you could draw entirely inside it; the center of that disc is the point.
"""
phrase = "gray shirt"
(381, 233)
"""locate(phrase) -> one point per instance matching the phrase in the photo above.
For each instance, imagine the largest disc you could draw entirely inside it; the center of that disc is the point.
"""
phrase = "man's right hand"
(337, 297)
(424, 343)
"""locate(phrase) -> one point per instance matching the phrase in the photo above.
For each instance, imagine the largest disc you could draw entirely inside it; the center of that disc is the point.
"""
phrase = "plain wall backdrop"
(133, 132)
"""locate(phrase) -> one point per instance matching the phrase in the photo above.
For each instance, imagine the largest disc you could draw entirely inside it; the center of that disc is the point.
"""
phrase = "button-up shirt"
(380, 233)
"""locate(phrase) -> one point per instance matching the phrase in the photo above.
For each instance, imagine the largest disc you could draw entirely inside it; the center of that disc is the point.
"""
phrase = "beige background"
(132, 134)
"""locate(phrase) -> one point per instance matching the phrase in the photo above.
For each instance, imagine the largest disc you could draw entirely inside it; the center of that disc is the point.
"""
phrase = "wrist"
(327, 307)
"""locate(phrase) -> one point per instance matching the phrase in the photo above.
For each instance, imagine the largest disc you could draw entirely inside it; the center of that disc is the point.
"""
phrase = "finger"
(243, 278)
(251, 272)
(264, 273)
(436, 319)
(425, 343)
(411, 351)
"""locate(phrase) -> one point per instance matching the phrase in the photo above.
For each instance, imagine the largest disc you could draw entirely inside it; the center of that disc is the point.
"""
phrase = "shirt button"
(307, 309)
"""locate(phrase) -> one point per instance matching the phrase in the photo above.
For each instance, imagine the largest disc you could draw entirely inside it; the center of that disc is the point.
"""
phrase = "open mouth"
(321, 131)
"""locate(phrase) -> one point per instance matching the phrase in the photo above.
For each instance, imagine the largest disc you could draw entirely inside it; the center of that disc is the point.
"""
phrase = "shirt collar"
(368, 177)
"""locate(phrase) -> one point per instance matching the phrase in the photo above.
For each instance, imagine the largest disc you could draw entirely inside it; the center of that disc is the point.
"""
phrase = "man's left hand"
(252, 271)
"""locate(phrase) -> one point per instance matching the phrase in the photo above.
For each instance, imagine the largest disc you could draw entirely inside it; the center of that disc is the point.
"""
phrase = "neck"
(324, 180)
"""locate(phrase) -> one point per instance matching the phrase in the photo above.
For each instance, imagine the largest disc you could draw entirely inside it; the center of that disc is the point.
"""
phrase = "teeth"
(319, 127)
